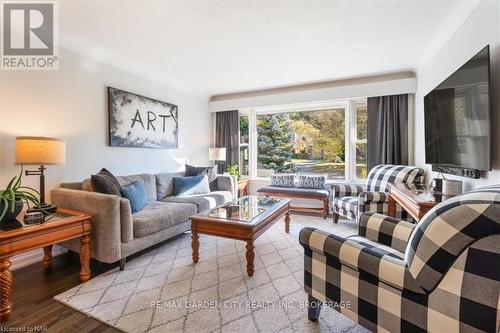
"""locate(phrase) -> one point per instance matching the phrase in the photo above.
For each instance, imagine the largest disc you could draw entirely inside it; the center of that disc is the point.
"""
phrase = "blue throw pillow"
(136, 194)
(185, 186)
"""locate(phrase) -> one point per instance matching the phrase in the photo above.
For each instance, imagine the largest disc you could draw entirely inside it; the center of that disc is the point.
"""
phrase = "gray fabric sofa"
(117, 233)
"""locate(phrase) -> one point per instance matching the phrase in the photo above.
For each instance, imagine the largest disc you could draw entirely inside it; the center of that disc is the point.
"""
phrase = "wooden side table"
(64, 225)
(414, 199)
(242, 187)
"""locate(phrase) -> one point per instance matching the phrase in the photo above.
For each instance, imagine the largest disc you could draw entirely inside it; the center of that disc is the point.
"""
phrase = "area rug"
(163, 291)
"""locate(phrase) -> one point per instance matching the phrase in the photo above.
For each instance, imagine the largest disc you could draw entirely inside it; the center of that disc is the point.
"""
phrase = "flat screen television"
(457, 117)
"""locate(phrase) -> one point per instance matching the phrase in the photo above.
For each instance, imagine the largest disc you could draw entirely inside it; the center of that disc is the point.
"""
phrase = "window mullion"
(252, 142)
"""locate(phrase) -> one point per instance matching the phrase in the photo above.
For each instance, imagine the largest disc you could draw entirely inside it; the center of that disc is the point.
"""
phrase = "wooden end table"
(415, 199)
(244, 219)
(64, 225)
(243, 187)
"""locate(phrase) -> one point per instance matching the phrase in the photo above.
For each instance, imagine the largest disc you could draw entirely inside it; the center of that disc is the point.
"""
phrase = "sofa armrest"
(385, 230)
(106, 222)
(127, 226)
(347, 190)
(357, 253)
(227, 183)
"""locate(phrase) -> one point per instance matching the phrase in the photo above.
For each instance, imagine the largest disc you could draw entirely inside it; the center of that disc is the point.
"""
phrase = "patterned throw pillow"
(105, 182)
(308, 181)
(283, 180)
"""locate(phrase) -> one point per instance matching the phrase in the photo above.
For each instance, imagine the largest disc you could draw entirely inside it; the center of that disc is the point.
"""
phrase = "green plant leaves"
(15, 192)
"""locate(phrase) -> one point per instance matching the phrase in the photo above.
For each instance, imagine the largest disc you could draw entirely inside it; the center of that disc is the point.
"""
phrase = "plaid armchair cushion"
(346, 206)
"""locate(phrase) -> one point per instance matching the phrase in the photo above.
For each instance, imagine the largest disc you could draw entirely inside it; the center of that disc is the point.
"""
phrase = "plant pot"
(11, 215)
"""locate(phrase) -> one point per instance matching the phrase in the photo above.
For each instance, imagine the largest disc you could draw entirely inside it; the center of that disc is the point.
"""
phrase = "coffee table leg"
(287, 222)
(47, 256)
(195, 245)
(250, 257)
(85, 258)
(5, 289)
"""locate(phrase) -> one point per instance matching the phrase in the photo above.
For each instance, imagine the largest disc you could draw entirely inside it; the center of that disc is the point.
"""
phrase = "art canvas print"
(138, 121)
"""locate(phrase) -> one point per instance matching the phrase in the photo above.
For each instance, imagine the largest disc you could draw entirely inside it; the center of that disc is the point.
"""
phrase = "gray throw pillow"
(311, 181)
(209, 171)
(283, 180)
(105, 182)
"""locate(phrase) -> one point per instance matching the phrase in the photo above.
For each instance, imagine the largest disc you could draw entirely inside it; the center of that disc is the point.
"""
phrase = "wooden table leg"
(287, 221)
(47, 256)
(85, 258)
(250, 257)
(392, 206)
(195, 245)
(5, 289)
(325, 208)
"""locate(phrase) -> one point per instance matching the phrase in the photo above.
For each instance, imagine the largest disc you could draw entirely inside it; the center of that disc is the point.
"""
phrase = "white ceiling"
(210, 47)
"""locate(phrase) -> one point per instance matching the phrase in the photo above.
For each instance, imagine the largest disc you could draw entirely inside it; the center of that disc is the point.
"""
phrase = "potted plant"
(14, 196)
(234, 170)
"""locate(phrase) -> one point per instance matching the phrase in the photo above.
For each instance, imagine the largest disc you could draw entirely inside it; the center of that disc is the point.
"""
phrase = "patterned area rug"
(163, 291)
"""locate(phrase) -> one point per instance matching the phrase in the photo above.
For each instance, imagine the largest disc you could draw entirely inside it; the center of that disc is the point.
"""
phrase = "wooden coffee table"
(16, 238)
(244, 219)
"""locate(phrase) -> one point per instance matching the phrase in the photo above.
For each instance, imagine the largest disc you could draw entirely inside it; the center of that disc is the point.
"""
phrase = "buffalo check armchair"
(440, 275)
(351, 201)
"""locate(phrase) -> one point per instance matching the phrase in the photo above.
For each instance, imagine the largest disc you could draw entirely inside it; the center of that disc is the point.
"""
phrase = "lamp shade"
(40, 151)
(216, 154)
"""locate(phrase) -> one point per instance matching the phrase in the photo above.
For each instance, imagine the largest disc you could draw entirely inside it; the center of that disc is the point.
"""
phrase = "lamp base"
(46, 209)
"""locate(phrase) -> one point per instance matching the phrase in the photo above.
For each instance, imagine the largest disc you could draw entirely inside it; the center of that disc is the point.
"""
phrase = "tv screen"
(457, 117)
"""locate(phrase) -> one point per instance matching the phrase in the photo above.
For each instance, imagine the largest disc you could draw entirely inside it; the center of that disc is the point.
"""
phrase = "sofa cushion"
(203, 202)
(186, 186)
(165, 184)
(294, 190)
(105, 182)
(147, 179)
(158, 215)
(136, 194)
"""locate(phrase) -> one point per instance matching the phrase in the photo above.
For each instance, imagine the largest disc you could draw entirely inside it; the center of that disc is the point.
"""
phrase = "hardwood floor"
(32, 296)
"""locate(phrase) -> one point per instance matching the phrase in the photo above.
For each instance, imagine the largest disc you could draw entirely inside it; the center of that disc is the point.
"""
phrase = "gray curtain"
(226, 136)
(387, 130)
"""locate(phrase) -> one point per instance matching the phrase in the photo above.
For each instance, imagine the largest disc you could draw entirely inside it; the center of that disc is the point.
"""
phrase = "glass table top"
(18, 223)
(244, 210)
(424, 193)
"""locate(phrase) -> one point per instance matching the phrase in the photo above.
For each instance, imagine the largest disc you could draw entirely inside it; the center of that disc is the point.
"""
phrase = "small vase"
(9, 215)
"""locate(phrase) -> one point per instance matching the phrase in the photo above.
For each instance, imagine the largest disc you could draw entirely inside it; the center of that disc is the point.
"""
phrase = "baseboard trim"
(34, 256)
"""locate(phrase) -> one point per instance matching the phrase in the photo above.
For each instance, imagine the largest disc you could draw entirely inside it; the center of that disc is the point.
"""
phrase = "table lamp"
(217, 154)
(40, 151)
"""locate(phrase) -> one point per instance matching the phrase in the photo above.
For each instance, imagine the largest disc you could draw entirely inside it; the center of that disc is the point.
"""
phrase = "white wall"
(480, 29)
(71, 104)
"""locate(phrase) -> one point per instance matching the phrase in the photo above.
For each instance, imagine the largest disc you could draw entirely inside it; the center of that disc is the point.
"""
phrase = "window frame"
(240, 114)
(354, 140)
(349, 123)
